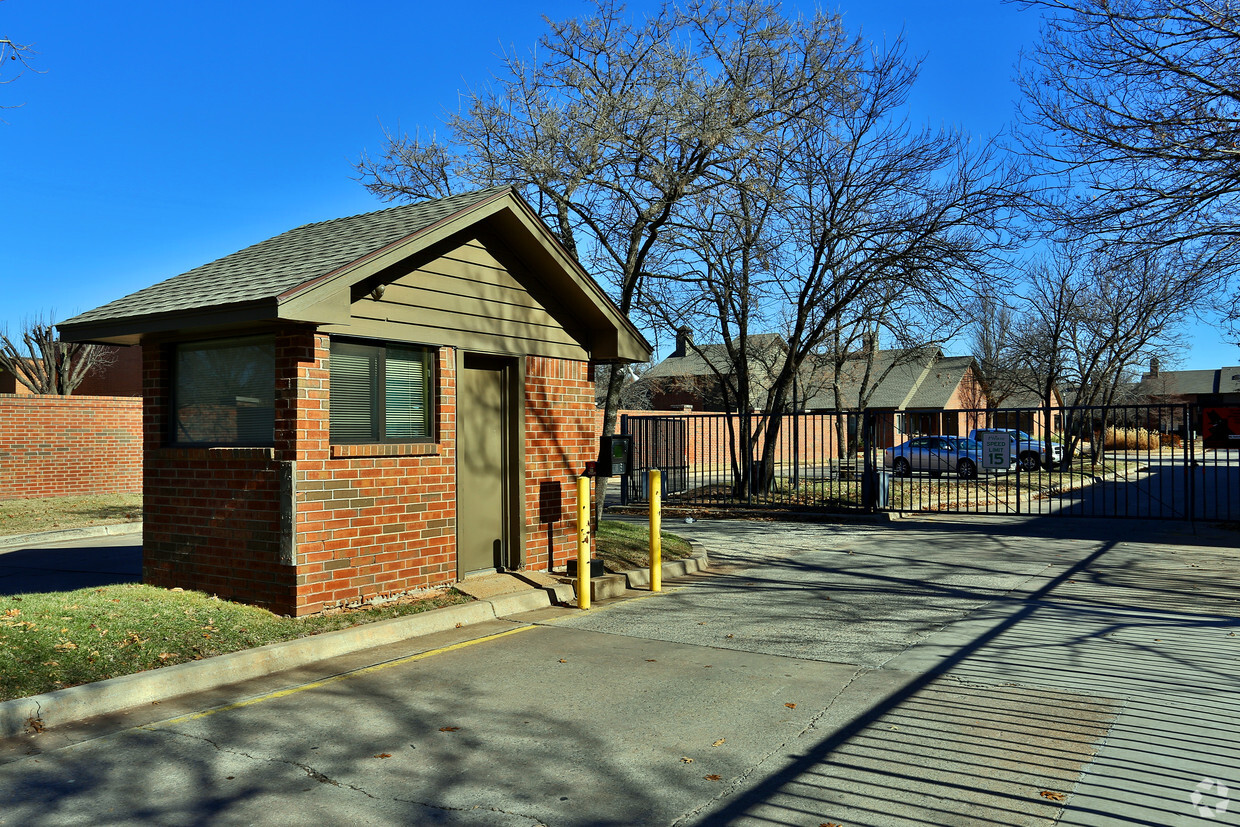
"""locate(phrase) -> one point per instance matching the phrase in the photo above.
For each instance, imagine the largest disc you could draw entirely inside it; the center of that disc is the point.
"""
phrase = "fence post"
(624, 478)
(656, 521)
(1190, 462)
(583, 542)
(869, 475)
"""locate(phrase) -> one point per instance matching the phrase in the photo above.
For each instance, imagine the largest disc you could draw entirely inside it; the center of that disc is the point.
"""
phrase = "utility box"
(615, 457)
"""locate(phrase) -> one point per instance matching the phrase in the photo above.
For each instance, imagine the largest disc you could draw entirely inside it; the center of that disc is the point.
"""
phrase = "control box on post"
(615, 456)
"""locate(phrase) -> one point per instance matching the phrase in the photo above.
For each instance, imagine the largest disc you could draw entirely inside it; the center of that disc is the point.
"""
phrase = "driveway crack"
(306, 768)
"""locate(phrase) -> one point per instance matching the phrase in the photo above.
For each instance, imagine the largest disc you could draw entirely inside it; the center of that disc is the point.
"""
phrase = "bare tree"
(1037, 351)
(13, 52)
(46, 365)
(1089, 321)
(613, 124)
(846, 205)
(1133, 107)
(991, 330)
(635, 394)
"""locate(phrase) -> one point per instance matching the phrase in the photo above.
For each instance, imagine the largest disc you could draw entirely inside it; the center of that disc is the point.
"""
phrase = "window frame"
(379, 390)
(174, 440)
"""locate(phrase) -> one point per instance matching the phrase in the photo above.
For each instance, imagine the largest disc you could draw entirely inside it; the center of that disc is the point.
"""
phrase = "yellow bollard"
(583, 542)
(656, 531)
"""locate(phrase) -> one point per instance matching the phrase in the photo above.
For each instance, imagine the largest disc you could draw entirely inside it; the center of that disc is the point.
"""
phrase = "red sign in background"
(1220, 426)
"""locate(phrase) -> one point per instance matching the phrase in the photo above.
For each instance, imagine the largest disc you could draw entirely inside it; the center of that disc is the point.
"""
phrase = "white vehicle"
(1025, 448)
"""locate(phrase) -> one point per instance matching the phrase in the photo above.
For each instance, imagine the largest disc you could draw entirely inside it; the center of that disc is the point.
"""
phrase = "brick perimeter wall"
(54, 446)
(561, 435)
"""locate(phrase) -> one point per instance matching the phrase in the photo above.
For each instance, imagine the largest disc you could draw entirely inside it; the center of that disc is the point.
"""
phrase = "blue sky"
(164, 135)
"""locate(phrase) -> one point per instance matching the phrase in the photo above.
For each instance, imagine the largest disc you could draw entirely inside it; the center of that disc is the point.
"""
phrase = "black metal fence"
(1140, 461)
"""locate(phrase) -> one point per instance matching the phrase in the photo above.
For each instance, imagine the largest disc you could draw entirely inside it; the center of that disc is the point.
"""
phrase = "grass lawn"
(625, 546)
(52, 513)
(57, 639)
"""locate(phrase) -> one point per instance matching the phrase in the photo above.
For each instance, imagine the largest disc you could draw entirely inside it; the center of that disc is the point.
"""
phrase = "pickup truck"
(1025, 448)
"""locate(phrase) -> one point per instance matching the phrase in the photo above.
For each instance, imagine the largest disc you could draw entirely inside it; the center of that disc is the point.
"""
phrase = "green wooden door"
(482, 467)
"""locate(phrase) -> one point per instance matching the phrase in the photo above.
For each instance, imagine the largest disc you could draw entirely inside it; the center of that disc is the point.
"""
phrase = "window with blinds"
(380, 393)
(224, 392)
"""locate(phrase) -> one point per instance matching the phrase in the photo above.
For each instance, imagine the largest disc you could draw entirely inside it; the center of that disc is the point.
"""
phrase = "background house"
(1208, 387)
(367, 406)
(921, 391)
(689, 379)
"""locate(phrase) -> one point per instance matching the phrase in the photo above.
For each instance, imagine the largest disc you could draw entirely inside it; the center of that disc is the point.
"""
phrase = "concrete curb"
(77, 703)
(61, 535)
(698, 560)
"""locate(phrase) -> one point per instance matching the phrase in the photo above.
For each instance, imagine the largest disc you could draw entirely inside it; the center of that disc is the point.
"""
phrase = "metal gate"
(658, 442)
(1171, 461)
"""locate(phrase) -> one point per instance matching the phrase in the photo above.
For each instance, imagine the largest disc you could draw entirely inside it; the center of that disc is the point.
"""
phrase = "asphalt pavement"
(931, 671)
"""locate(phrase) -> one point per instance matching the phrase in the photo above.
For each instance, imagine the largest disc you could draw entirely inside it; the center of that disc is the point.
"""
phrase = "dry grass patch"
(52, 513)
(1131, 439)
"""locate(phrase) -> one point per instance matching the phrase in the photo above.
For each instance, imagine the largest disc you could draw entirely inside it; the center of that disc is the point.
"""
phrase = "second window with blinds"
(381, 392)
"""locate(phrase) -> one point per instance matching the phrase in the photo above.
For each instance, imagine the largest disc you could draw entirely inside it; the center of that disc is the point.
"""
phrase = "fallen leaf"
(459, 625)
(791, 706)
(729, 637)
(713, 777)
(165, 655)
(563, 661)
(719, 743)
(686, 760)
(12, 612)
(449, 728)
(831, 823)
(384, 755)
(34, 724)
(1052, 796)
(652, 660)
(229, 777)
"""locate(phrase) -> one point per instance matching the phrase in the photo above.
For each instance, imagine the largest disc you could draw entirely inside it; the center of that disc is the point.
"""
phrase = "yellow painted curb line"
(283, 693)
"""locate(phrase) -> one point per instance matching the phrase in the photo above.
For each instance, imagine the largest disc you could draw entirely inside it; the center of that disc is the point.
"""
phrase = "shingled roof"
(304, 275)
(280, 265)
(1171, 383)
(919, 378)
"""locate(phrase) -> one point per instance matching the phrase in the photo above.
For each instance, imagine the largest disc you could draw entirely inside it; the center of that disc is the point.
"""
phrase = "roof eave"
(130, 330)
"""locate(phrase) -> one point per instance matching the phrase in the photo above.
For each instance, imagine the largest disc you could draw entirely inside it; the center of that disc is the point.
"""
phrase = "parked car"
(937, 454)
(1025, 448)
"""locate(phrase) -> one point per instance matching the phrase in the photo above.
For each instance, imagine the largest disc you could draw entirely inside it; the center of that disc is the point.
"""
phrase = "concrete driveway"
(1016, 672)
